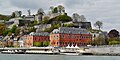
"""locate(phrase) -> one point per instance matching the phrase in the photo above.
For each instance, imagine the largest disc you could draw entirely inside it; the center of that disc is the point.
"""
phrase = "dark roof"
(85, 25)
(40, 34)
(71, 30)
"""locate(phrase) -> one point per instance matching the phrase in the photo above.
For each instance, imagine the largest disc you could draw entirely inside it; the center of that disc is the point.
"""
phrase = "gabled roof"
(40, 34)
(68, 30)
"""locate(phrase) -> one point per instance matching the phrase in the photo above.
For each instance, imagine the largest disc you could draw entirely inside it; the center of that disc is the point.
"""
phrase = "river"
(54, 57)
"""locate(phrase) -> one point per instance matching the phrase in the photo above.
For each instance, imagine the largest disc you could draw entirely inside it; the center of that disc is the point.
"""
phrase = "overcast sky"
(107, 11)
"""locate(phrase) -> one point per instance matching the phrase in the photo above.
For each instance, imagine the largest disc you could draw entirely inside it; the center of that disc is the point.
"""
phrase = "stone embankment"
(112, 50)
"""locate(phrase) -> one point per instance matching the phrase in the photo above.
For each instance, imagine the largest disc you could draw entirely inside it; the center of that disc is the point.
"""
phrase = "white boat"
(42, 50)
(8, 52)
(69, 53)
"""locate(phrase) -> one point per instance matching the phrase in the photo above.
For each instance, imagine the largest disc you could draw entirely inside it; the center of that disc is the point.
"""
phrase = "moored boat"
(8, 52)
(69, 53)
(42, 50)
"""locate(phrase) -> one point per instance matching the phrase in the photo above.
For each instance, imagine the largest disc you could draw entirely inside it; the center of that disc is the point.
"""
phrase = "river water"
(54, 57)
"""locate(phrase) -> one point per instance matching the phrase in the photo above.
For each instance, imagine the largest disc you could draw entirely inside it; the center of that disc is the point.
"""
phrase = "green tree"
(35, 22)
(4, 17)
(14, 28)
(2, 28)
(55, 10)
(37, 44)
(98, 24)
(45, 20)
(5, 32)
(20, 13)
(113, 33)
(61, 9)
(17, 31)
(55, 26)
(9, 33)
(114, 42)
(70, 25)
(100, 40)
(63, 18)
(13, 15)
(32, 29)
(45, 43)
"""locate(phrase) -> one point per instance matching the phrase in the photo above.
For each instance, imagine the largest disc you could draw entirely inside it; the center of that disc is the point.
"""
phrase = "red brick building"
(36, 37)
(70, 36)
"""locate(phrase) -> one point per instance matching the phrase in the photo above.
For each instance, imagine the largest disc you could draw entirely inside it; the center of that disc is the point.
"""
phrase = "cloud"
(78, 3)
(27, 4)
(106, 11)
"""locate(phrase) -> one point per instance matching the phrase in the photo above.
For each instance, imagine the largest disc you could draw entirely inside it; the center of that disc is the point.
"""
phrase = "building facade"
(36, 39)
(28, 42)
(64, 36)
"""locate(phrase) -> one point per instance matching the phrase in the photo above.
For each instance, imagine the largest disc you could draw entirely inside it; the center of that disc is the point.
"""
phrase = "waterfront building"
(65, 36)
(21, 41)
(17, 21)
(85, 25)
(30, 17)
(41, 27)
(28, 42)
(37, 39)
(100, 35)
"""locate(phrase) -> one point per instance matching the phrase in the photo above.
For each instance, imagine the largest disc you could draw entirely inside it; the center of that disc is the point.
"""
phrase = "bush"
(37, 44)
(46, 43)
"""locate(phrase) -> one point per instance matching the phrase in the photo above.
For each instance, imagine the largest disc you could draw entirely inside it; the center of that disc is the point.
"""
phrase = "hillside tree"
(98, 24)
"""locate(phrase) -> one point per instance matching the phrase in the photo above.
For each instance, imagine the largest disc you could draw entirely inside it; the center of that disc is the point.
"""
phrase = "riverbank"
(93, 50)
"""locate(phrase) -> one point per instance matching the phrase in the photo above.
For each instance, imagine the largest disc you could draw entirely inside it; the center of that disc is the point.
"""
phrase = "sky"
(107, 11)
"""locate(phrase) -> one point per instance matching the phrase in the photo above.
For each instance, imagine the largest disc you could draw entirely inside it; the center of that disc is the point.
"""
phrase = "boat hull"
(69, 53)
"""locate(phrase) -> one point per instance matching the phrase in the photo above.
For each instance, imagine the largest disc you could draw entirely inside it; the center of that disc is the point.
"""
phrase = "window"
(38, 38)
(73, 43)
(44, 39)
(81, 37)
(63, 43)
(57, 35)
(74, 36)
(63, 36)
(77, 36)
(60, 43)
(57, 43)
(84, 37)
(53, 42)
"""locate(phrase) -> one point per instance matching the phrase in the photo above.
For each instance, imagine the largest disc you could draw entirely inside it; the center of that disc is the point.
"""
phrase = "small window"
(57, 43)
(63, 43)
(53, 42)
(60, 43)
